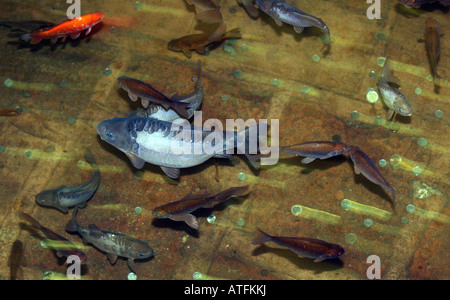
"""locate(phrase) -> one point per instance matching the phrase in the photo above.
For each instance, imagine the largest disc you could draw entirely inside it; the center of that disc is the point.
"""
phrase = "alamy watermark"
(374, 10)
(374, 271)
(74, 10)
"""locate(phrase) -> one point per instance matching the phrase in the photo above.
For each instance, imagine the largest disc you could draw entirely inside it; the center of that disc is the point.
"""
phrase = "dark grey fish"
(64, 198)
(114, 244)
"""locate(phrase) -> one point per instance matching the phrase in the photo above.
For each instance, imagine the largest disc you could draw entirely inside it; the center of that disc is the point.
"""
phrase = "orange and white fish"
(72, 28)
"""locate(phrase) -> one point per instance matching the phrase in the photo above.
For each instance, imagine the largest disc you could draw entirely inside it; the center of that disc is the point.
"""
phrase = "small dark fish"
(114, 244)
(364, 165)
(63, 197)
(199, 42)
(282, 12)
(66, 251)
(8, 112)
(139, 89)
(315, 150)
(433, 42)
(304, 247)
(156, 111)
(181, 210)
(16, 260)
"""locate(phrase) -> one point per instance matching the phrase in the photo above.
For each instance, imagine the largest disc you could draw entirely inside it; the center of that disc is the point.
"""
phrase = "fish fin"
(181, 109)
(94, 231)
(19, 274)
(317, 260)
(54, 41)
(298, 29)
(63, 209)
(145, 102)
(137, 162)
(189, 219)
(75, 35)
(133, 97)
(187, 52)
(388, 74)
(63, 40)
(173, 173)
(390, 113)
(278, 22)
(131, 264)
(34, 39)
(82, 204)
(261, 238)
(112, 258)
(234, 33)
(201, 50)
(210, 16)
(357, 171)
(308, 160)
(88, 30)
(217, 35)
(254, 160)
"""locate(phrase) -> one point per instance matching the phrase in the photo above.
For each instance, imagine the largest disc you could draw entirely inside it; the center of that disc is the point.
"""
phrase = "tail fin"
(89, 157)
(261, 238)
(30, 219)
(437, 80)
(234, 191)
(388, 74)
(34, 39)
(233, 34)
(72, 226)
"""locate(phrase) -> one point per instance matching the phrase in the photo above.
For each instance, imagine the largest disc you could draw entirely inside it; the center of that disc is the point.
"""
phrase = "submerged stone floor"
(65, 90)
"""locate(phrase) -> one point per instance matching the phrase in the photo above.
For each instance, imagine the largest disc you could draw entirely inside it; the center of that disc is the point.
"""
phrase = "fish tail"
(234, 191)
(30, 219)
(437, 79)
(72, 226)
(262, 237)
(232, 34)
(34, 39)
(388, 74)
(89, 157)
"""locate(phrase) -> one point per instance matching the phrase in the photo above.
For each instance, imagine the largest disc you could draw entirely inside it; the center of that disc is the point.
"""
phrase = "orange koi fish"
(72, 28)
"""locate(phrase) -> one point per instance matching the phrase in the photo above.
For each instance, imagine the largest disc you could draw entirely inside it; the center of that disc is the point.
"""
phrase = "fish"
(156, 111)
(139, 89)
(64, 197)
(304, 247)
(249, 7)
(282, 12)
(208, 12)
(68, 251)
(181, 210)
(164, 144)
(315, 150)
(199, 42)
(365, 166)
(393, 98)
(9, 112)
(433, 43)
(72, 27)
(16, 260)
(114, 244)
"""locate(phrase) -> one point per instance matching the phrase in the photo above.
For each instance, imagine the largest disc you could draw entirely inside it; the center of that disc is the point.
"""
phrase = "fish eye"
(109, 134)
(142, 254)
